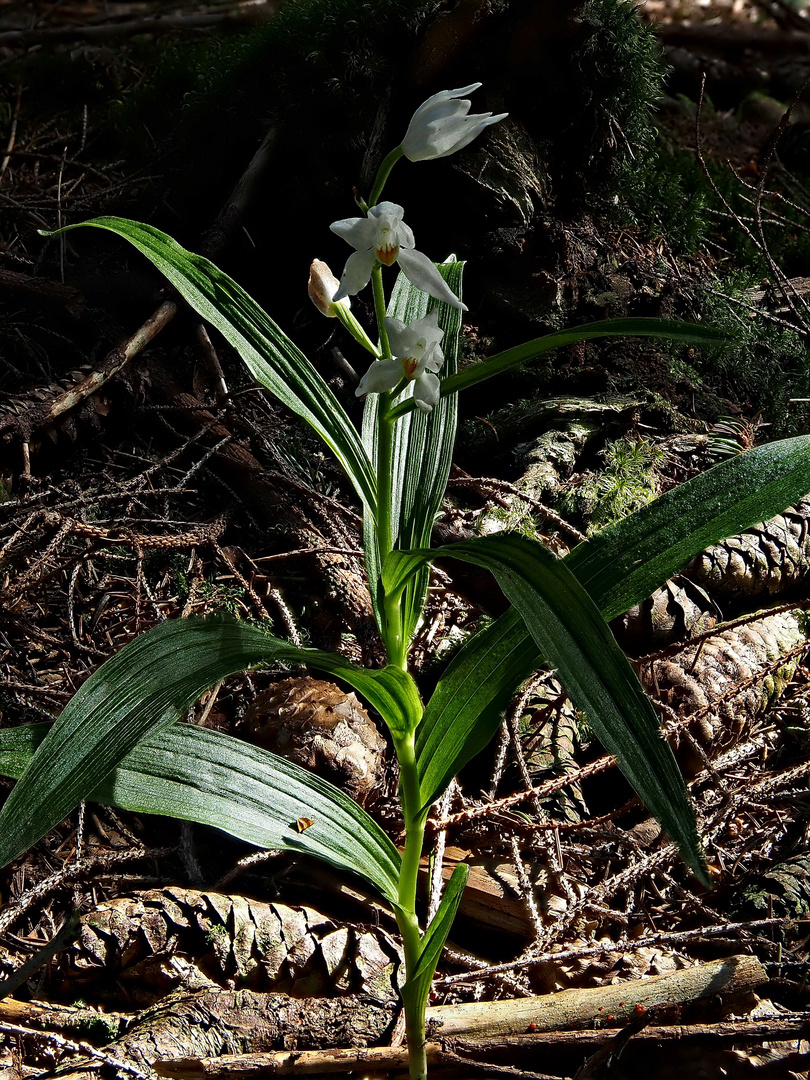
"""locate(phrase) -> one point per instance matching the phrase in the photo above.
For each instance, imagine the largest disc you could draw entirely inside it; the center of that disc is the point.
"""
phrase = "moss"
(628, 481)
(621, 81)
(766, 363)
(98, 1028)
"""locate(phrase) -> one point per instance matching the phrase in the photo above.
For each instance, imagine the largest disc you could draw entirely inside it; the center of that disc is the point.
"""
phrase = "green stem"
(404, 407)
(397, 649)
(350, 323)
(382, 175)
(407, 920)
(379, 311)
(395, 643)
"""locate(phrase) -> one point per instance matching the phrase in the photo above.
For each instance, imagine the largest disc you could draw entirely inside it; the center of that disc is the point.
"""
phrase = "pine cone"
(680, 609)
(701, 675)
(550, 738)
(764, 560)
(784, 890)
(163, 939)
(320, 727)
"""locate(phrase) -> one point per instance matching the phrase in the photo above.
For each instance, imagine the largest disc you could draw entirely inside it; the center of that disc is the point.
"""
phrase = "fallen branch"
(380, 1058)
(211, 1023)
(583, 1008)
(724, 38)
(249, 12)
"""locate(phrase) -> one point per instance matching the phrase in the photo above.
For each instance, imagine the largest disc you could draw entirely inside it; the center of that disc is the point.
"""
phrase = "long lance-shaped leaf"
(465, 709)
(205, 776)
(568, 628)
(423, 444)
(416, 990)
(268, 353)
(669, 329)
(628, 561)
(677, 526)
(151, 683)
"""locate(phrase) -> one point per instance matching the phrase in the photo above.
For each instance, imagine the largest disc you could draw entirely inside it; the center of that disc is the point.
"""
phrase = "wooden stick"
(582, 1008)
(724, 38)
(258, 1024)
(318, 1062)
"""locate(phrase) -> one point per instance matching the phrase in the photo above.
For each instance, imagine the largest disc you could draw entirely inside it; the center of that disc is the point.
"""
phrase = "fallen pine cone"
(702, 680)
(169, 939)
(322, 728)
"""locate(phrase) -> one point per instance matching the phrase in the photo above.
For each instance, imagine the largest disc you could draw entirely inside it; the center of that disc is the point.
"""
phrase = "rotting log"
(513, 1047)
(208, 1025)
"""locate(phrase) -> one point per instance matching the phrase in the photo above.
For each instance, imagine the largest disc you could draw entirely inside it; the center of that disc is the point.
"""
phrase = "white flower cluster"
(439, 127)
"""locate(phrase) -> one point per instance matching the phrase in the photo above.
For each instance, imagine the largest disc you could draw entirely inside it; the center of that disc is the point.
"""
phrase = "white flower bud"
(322, 286)
(441, 125)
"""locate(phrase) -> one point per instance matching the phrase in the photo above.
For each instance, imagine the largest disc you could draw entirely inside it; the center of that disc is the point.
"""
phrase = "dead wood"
(581, 1008)
(43, 414)
(725, 38)
(232, 1022)
(517, 1048)
(34, 290)
(209, 1024)
(238, 15)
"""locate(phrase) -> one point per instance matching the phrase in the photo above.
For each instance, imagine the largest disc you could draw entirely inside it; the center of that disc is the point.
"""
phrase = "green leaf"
(270, 356)
(670, 329)
(620, 567)
(151, 683)
(205, 776)
(416, 990)
(423, 444)
(568, 628)
(628, 561)
(467, 705)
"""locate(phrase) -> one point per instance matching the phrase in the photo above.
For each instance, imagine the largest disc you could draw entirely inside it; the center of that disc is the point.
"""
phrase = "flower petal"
(322, 286)
(356, 274)
(360, 232)
(433, 358)
(426, 392)
(428, 328)
(454, 133)
(441, 125)
(390, 210)
(401, 338)
(405, 236)
(382, 375)
(422, 273)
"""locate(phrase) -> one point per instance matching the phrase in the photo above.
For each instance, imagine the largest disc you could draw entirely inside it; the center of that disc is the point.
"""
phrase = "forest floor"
(144, 477)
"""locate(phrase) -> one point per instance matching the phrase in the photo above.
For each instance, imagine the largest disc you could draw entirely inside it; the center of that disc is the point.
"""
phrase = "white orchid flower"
(383, 236)
(417, 357)
(441, 125)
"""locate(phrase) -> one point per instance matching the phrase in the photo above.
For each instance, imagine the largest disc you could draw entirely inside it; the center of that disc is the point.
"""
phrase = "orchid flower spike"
(384, 237)
(417, 357)
(440, 125)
